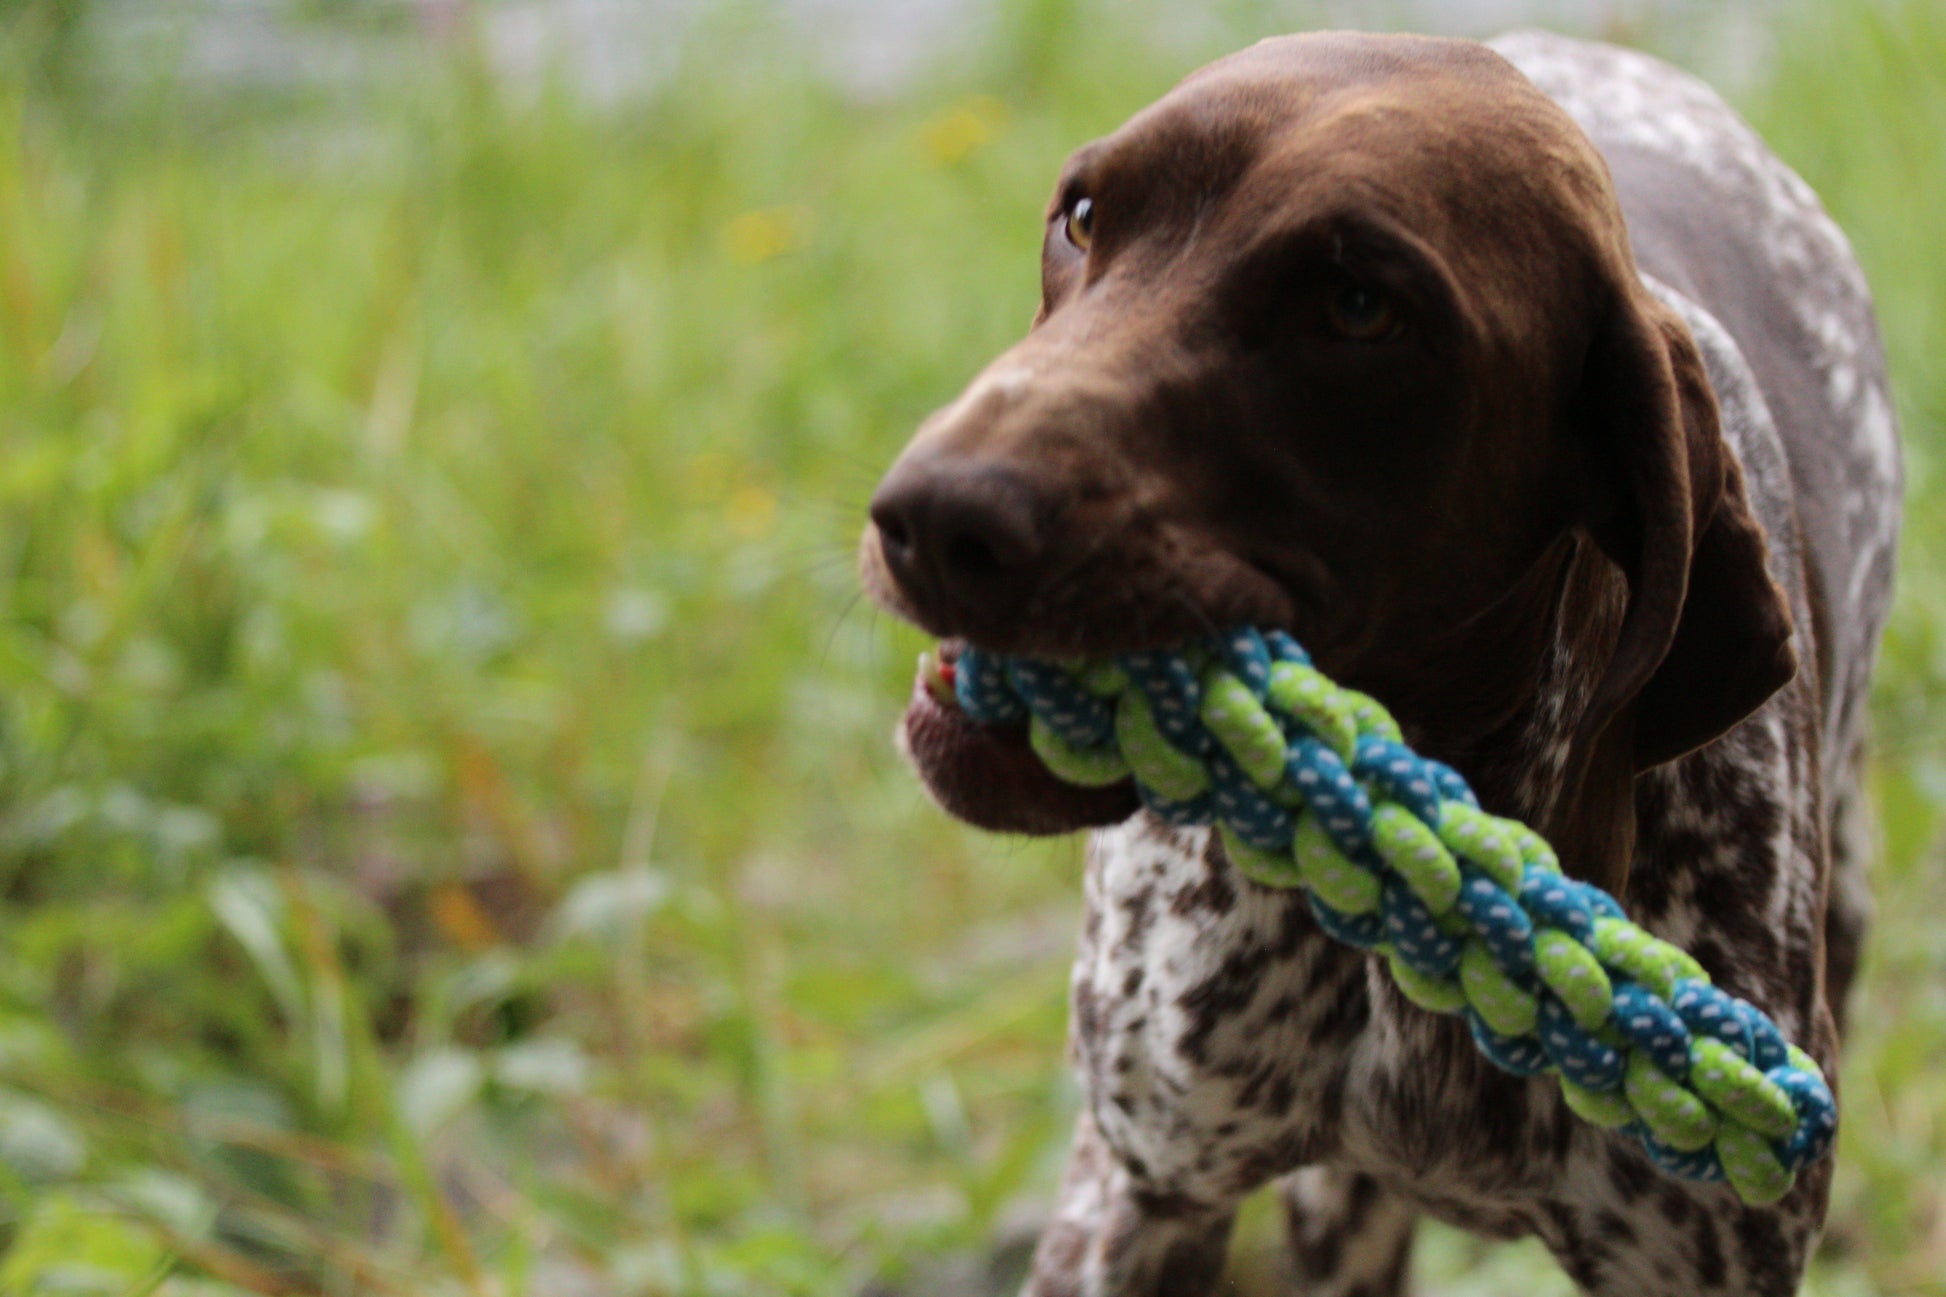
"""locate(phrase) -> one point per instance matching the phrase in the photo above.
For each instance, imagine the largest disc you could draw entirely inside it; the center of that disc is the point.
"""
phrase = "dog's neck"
(1499, 700)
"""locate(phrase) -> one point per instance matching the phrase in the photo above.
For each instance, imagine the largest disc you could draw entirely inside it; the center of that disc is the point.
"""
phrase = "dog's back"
(1716, 216)
(1768, 283)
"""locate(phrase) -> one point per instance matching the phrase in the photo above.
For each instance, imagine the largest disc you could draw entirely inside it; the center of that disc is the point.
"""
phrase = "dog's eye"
(1362, 314)
(1080, 223)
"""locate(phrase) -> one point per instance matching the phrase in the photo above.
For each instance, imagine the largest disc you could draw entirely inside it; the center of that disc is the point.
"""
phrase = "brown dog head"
(1344, 335)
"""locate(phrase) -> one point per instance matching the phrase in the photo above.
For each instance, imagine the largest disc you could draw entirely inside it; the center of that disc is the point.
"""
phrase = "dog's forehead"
(1351, 58)
(1288, 77)
(1433, 133)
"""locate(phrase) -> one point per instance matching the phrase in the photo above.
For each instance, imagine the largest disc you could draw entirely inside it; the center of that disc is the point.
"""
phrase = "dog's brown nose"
(965, 543)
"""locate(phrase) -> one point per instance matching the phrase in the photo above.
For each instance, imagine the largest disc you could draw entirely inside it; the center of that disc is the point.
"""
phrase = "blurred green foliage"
(448, 836)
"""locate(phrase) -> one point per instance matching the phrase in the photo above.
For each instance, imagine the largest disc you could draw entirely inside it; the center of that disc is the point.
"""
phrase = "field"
(449, 839)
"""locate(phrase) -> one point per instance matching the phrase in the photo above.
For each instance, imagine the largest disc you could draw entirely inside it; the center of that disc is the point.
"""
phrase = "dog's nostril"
(898, 513)
(892, 531)
(972, 556)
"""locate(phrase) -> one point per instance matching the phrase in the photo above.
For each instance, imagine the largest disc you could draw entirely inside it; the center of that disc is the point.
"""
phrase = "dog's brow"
(1079, 168)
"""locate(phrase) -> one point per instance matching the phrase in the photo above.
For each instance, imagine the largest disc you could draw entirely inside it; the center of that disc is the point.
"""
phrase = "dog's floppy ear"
(1706, 636)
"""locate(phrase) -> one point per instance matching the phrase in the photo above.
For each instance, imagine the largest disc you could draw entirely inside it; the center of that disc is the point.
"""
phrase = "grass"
(448, 837)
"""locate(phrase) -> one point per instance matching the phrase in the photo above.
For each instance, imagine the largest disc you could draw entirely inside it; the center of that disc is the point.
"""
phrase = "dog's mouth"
(988, 775)
(1133, 597)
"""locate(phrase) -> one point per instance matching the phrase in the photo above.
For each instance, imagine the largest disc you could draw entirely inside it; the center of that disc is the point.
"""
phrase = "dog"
(1537, 399)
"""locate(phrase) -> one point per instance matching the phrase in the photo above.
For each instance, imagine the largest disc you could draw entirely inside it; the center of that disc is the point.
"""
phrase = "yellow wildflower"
(968, 125)
(752, 238)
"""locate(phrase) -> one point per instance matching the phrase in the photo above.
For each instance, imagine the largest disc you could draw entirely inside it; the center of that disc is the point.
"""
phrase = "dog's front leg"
(1211, 1023)
(1110, 1236)
(1348, 1236)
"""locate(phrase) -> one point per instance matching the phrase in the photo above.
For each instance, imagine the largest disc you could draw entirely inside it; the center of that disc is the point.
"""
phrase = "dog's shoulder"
(1741, 246)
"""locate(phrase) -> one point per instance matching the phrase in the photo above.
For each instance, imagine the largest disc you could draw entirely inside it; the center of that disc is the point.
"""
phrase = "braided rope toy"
(1311, 786)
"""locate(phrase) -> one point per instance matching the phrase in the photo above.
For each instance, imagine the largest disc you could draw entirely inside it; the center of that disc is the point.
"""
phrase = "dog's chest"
(1224, 1038)
(1208, 1008)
